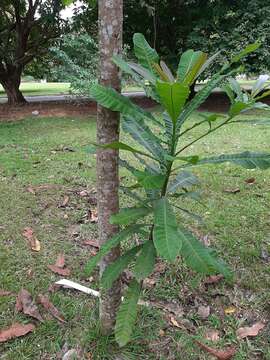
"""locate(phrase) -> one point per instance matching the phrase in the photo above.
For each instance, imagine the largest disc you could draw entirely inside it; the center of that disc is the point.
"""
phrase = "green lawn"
(52, 152)
(51, 88)
(36, 88)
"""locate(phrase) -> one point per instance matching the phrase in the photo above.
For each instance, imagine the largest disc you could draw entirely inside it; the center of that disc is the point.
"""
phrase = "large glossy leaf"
(144, 136)
(246, 159)
(182, 180)
(114, 241)
(235, 86)
(247, 50)
(111, 99)
(114, 270)
(144, 53)
(129, 215)
(200, 258)
(143, 72)
(259, 85)
(200, 97)
(190, 63)
(237, 107)
(167, 71)
(122, 146)
(127, 313)
(149, 180)
(145, 261)
(165, 235)
(173, 97)
(208, 63)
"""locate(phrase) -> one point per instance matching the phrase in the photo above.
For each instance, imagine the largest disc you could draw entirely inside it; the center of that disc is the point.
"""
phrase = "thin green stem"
(192, 127)
(203, 135)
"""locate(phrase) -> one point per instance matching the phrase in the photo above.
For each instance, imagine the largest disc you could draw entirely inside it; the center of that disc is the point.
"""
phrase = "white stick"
(73, 285)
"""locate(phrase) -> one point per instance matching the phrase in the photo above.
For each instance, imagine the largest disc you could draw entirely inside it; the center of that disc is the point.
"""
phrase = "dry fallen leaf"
(84, 193)
(31, 190)
(250, 181)
(93, 216)
(174, 322)
(232, 191)
(65, 201)
(204, 312)
(45, 302)
(250, 330)
(226, 354)
(60, 261)
(25, 303)
(15, 330)
(230, 310)
(32, 240)
(5, 293)
(213, 279)
(211, 335)
(93, 243)
(58, 270)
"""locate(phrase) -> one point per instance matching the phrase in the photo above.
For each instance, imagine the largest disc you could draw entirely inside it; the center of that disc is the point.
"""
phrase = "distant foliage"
(75, 61)
(162, 174)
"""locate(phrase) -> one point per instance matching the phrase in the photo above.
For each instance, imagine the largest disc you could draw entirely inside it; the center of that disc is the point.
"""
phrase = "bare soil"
(217, 102)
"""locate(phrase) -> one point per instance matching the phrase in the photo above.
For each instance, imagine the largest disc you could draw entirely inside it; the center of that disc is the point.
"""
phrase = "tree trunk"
(110, 43)
(11, 86)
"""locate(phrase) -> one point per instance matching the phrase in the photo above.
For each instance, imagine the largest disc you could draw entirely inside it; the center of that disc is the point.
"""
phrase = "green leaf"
(259, 85)
(111, 99)
(114, 270)
(247, 50)
(167, 71)
(235, 86)
(173, 97)
(129, 215)
(127, 313)
(208, 63)
(143, 51)
(265, 94)
(143, 72)
(144, 136)
(190, 63)
(183, 179)
(237, 108)
(200, 258)
(145, 261)
(149, 180)
(246, 159)
(122, 146)
(200, 97)
(114, 241)
(165, 235)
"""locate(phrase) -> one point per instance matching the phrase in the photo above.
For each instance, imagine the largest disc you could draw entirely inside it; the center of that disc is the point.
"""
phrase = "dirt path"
(217, 102)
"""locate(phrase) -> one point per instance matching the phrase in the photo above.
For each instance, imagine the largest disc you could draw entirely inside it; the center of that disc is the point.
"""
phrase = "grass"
(36, 88)
(52, 151)
(51, 88)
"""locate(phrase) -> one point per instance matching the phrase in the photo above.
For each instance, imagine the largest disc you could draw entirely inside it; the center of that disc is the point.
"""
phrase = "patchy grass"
(51, 152)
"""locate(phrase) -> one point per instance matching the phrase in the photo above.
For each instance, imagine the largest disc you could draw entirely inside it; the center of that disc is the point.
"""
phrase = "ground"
(43, 160)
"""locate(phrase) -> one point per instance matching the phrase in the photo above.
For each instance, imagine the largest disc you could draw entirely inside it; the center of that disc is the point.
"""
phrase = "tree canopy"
(27, 28)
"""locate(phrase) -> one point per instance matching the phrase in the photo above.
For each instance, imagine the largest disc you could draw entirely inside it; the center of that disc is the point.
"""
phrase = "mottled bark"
(110, 43)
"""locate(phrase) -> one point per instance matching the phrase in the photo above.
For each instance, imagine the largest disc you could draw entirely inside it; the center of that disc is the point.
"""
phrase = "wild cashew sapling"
(166, 175)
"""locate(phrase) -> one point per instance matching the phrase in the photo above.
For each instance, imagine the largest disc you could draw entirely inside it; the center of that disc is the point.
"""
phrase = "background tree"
(74, 60)
(110, 43)
(27, 28)
(173, 26)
